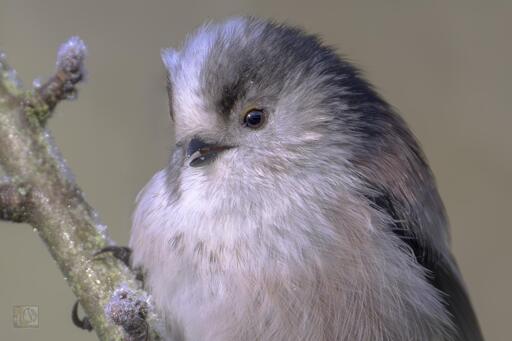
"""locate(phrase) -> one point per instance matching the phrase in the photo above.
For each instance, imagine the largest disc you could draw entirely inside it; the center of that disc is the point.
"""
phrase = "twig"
(46, 196)
(70, 71)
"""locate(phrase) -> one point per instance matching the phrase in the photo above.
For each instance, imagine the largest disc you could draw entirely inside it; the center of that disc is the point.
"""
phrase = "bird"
(296, 204)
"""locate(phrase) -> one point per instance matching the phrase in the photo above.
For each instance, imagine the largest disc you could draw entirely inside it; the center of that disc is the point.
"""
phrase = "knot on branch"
(70, 71)
(14, 202)
(128, 308)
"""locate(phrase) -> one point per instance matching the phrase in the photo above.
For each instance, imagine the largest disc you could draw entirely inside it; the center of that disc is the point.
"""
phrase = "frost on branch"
(70, 57)
(128, 308)
(70, 71)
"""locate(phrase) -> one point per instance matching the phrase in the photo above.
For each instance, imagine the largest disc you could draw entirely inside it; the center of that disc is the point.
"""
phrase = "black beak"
(202, 153)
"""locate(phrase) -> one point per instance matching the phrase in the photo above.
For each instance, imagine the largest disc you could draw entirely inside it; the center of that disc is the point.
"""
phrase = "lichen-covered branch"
(45, 195)
(14, 201)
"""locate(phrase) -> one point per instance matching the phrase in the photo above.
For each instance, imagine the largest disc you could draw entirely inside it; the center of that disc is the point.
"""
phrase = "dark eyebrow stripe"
(230, 95)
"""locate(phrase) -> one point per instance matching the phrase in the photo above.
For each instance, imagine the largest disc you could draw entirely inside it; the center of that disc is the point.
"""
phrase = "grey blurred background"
(446, 67)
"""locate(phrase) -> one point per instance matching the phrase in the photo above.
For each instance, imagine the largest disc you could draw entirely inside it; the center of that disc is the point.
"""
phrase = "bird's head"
(266, 114)
(251, 94)
(260, 101)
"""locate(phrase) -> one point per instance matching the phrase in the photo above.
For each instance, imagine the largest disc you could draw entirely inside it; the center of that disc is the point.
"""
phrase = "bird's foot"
(123, 253)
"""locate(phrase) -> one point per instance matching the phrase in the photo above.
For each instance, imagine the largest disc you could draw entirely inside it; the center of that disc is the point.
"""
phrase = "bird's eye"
(254, 118)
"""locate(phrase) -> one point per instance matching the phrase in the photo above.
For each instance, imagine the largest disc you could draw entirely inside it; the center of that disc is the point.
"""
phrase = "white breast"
(280, 269)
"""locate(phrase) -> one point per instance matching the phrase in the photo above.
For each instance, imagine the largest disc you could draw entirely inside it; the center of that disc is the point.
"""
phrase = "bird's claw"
(123, 253)
(84, 323)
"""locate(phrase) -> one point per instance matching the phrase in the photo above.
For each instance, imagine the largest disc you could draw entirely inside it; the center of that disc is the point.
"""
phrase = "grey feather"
(446, 278)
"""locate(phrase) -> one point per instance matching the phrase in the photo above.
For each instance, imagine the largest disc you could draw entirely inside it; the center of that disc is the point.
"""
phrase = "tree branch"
(46, 196)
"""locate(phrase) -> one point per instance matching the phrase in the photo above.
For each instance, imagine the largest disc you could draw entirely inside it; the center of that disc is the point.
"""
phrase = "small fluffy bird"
(297, 205)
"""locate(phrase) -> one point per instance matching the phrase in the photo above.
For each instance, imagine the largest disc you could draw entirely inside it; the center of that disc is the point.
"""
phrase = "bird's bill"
(201, 153)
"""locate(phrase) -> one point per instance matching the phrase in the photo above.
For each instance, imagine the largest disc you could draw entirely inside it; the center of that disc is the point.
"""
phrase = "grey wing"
(445, 277)
(443, 274)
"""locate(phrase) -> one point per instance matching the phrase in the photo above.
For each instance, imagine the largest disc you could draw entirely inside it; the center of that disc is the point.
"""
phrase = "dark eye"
(254, 118)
